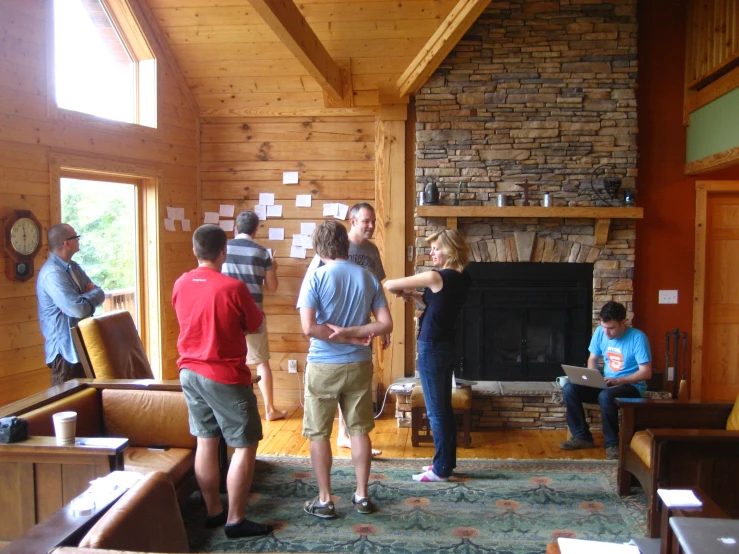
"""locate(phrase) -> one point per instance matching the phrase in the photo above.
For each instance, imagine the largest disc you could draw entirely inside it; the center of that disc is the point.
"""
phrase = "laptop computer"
(700, 535)
(585, 376)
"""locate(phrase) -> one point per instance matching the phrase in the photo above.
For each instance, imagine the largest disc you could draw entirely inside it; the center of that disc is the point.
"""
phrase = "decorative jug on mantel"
(431, 193)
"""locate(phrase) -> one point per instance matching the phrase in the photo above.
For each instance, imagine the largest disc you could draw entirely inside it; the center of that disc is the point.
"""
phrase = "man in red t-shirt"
(214, 311)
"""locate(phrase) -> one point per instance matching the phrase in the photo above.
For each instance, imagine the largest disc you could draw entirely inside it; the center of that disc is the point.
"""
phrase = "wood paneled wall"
(29, 136)
(713, 40)
(240, 158)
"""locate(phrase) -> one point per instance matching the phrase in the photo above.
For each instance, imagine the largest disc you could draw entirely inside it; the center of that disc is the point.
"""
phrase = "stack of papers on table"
(576, 546)
(679, 498)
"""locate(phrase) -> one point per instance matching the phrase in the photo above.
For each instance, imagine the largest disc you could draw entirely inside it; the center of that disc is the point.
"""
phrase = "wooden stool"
(462, 404)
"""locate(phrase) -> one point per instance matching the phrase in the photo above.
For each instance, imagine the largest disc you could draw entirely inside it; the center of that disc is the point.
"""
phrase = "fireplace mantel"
(602, 216)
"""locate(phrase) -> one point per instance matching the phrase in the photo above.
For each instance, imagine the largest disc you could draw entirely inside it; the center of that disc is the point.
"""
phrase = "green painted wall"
(714, 128)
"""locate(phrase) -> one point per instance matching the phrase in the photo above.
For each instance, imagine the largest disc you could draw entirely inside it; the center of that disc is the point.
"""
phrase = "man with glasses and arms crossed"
(65, 295)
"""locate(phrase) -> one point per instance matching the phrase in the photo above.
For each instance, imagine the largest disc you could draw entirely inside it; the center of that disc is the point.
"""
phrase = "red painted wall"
(666, 236)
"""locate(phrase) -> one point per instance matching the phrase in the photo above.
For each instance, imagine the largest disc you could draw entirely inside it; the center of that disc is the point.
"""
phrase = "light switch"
(668, 297)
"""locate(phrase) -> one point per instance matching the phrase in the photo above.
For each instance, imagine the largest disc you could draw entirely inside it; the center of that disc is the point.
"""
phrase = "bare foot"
(275, 414)
(345, 442)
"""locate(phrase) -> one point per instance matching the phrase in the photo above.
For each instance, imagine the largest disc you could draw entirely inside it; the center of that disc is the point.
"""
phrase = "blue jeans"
(436, 361)
(574, 396)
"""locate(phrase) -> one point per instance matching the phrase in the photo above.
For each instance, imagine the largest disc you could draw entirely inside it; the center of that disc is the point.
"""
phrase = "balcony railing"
(121, 299)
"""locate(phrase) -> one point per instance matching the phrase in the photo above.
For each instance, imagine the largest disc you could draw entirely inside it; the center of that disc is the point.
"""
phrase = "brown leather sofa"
(676, 444)
(146, 518)
(149, 415)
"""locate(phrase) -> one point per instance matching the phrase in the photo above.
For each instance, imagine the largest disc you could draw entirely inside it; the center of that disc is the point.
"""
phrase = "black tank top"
(442, 308)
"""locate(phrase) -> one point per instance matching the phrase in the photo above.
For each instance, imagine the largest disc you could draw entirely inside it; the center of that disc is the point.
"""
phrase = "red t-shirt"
(214, 311)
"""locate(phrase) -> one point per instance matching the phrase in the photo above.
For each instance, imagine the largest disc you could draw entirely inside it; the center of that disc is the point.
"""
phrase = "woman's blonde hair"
(450, 242)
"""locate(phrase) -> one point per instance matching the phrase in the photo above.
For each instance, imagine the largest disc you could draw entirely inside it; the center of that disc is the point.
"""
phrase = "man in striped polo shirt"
(251, 263)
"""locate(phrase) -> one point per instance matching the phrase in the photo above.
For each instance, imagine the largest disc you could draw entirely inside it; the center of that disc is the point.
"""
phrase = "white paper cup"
(563, 380)
(65, 425)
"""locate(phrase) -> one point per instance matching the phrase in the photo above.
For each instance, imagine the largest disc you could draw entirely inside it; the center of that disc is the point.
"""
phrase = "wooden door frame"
(149, 276)
(702, 190)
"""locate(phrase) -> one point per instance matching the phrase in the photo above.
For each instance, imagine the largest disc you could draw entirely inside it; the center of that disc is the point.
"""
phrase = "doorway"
(715, 375)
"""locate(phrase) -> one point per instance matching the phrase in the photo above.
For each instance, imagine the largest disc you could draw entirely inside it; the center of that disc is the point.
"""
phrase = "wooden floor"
(283, 438)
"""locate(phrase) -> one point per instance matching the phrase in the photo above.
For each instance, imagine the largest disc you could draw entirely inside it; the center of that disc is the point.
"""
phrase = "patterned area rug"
(490, 506)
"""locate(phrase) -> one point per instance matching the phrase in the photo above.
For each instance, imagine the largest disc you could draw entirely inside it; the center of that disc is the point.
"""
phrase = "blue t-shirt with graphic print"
(623, 355)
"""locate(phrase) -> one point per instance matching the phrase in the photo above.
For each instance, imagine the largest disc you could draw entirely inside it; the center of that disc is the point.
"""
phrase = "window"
(103, 65)
(104, 214)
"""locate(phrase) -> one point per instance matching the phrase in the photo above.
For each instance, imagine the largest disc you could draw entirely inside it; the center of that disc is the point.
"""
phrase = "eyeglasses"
(73, 237)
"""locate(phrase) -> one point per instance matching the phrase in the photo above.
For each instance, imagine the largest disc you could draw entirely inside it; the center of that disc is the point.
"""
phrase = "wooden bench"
(462, 404)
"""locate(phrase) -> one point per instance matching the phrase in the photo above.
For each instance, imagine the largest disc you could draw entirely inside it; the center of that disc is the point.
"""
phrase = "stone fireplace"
(539, 93)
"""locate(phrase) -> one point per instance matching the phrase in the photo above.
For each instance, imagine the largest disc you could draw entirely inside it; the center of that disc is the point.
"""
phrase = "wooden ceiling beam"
(444, 39)
(284, 18)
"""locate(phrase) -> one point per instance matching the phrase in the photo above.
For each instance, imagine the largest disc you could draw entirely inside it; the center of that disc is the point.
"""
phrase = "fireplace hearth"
(523, 320)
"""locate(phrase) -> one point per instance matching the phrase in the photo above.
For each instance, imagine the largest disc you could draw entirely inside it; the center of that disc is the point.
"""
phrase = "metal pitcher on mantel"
(431, 193)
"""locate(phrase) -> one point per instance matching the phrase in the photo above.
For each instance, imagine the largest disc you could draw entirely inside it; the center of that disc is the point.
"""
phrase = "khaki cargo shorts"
(330, 385)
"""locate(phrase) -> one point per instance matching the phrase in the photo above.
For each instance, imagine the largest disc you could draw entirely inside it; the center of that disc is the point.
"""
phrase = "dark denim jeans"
(574, 396)
(436, 362)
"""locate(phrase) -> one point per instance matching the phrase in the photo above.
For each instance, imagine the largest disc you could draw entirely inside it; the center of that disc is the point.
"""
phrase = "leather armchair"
(110, 347)
(676, 444)
(147, 518)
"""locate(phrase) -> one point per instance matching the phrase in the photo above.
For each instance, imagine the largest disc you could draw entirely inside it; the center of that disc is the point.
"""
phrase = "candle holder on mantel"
(610, 183)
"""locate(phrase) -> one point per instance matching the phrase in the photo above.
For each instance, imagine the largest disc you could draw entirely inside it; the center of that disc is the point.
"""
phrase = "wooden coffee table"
(38, 477)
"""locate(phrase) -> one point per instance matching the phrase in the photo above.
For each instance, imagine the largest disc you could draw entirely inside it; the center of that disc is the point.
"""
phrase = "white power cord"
(301, 391)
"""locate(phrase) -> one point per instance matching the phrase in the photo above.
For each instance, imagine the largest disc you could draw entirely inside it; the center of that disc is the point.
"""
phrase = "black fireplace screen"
(523, 320)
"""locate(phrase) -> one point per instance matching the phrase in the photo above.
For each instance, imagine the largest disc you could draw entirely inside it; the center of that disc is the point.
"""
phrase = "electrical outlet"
(292, 366)
(670, 373)
(668, 297)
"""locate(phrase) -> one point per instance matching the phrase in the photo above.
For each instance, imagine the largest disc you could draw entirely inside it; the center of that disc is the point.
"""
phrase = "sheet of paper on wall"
(169, 224)
(330, 210)
(303, 200)
(261, 212)
(178, 214)
(289, 177)
(211, 217)
(186, 225)
(341, 210)
(307, 242)
(276, 233)
(267, 198)
(577, 546)
(297, 252)
(226, 210)
(678, 497)
(274, 211)
(227, 225)
(297, 240)
(307, 228)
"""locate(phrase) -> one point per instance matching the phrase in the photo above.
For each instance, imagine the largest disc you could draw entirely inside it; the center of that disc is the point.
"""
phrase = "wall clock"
(22, 241)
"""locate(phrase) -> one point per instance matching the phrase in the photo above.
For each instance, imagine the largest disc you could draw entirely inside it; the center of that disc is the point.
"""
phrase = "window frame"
(146, 180)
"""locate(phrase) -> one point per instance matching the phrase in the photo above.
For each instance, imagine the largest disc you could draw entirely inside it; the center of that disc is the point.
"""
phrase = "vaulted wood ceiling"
(236, 64)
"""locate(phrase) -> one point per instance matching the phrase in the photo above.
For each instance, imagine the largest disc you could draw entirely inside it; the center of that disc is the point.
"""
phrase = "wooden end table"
(38, 477)
(708, 509)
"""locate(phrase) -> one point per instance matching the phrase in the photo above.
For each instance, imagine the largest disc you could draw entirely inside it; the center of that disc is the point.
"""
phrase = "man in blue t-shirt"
(627, 366)
(335, 304)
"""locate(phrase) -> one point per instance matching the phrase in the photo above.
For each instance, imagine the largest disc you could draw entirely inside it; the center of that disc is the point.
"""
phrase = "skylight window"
(103, 64)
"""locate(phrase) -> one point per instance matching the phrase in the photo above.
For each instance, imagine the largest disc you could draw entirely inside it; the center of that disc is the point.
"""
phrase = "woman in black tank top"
(444, 293)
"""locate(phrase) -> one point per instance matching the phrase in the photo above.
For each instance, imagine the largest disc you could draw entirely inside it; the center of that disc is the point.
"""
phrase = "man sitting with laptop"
(627, 366)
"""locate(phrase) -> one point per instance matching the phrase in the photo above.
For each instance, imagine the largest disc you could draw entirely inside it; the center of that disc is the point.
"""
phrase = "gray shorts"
(216, 409)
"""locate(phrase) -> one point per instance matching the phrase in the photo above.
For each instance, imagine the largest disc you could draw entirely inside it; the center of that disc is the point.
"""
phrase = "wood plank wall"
(28, 137)
(713, 40)
(240, 158)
